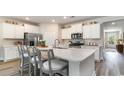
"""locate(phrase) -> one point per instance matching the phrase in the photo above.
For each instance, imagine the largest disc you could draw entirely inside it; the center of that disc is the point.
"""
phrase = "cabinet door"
(8, 30)
(27, 28)
(96, 31)
(19, 32)
(66, 33)
(73, 29)
(35, 29)
(91, 31)
(10, 53)
(86, 32)
(77, 28)
(31, 28)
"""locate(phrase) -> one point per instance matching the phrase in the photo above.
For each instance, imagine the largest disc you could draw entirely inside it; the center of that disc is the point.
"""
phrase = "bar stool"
(51, 67)
(24, 59)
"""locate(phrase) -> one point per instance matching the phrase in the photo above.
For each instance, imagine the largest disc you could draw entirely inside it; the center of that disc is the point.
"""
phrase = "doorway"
(111, 38)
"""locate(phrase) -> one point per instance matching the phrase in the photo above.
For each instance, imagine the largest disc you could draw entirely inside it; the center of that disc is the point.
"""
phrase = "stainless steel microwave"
(76, 36)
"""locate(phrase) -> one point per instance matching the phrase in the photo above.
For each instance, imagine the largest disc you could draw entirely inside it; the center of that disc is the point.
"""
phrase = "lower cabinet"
(10, 53)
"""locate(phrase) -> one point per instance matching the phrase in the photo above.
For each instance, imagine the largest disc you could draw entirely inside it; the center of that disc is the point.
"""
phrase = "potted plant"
(42, 43)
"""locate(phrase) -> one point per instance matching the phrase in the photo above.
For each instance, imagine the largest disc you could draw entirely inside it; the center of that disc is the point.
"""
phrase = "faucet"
(56, 41)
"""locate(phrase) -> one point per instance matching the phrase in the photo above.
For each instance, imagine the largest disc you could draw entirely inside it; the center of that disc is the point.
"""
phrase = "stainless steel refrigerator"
(32, 39)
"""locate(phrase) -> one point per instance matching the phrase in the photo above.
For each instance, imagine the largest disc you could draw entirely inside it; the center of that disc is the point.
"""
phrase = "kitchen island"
(81, 61)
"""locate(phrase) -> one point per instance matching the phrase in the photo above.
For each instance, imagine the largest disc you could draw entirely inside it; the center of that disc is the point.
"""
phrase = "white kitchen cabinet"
(9, 53)
(28, 28)
(77, 28)
(8, 30)
(86, 32)
(91, 31)
(12, 31)
(31, 28)
(66, 33)
(19, 32)
(95, 31)
(35, 29)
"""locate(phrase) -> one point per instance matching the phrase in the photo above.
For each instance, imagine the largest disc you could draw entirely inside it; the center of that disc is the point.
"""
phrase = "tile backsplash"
(98, 42)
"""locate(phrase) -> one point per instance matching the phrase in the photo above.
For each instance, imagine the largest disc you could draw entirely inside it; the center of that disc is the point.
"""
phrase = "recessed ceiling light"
(27, 18)
(65, 17)
(113, 23)
(53, 20)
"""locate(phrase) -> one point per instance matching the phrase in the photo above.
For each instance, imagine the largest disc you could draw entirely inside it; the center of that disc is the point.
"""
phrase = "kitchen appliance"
(76, 40)
(32, 39)
(76, 36)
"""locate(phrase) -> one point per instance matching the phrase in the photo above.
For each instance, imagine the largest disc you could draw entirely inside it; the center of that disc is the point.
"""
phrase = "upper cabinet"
(19, 32)
(31, 28)
(91, 31)
(66, 33)
(74, 28)
(8, 30)
(12, 31)
(77, 28)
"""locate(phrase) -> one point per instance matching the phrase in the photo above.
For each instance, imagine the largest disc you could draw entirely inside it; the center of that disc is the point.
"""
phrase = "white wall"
(50, 33)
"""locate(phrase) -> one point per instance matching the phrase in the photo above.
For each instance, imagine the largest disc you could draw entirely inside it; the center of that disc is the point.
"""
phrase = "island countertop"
(81, 61)
(73, 54)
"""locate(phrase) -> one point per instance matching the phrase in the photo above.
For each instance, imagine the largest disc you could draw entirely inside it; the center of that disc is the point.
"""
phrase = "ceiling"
(114, 24)
(50, 19)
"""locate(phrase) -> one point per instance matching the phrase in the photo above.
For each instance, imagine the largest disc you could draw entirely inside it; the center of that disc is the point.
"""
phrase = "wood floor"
(112, 65)
(9, 68)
